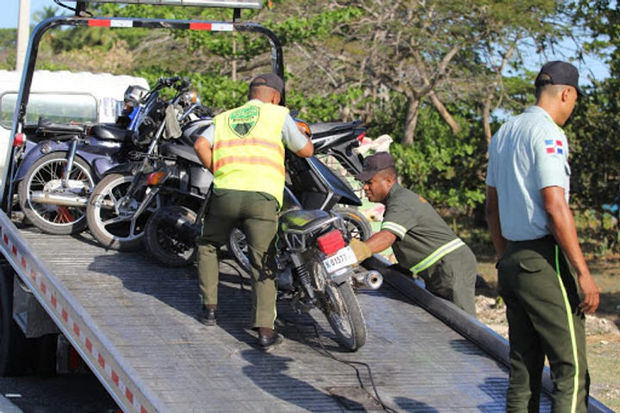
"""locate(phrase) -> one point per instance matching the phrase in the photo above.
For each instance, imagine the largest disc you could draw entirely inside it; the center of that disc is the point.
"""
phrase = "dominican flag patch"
(554, 146)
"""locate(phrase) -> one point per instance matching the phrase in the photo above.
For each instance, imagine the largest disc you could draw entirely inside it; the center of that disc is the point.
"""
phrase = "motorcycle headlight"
(192, 96)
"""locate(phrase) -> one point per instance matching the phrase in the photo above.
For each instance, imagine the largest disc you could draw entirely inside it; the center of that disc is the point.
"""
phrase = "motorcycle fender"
(102, 166)
(342, 276)
(35, 154)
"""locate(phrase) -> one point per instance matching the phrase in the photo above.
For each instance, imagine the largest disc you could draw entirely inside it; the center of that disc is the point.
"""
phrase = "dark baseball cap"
(374, 164)
(560, 73)
(268, 79)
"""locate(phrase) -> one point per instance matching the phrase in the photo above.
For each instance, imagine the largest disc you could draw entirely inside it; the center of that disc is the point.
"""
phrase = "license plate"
(343, 258)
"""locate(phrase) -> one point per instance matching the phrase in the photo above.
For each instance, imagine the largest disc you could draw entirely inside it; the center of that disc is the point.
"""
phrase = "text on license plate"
(343, 258)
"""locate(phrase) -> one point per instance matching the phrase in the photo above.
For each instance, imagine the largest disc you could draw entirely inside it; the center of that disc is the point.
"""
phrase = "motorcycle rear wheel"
(342, 310)
(55, 219)
(163, 239)
(123, 232)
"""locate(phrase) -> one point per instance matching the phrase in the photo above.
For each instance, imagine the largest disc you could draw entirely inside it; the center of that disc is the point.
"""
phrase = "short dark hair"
(542, 82)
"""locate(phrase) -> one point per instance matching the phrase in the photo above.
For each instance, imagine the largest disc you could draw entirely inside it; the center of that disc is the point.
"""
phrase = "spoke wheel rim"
(57, 215)
(123, 227)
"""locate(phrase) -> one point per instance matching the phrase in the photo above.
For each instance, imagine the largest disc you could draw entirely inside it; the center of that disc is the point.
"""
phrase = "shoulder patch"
(553, 146)
(243, 120)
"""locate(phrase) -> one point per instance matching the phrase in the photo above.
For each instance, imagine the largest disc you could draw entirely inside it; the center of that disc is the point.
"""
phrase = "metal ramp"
(145, 313)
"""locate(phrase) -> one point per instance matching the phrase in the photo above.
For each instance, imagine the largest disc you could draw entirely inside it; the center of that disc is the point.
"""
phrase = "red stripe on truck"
(99, 23)
(200, 26)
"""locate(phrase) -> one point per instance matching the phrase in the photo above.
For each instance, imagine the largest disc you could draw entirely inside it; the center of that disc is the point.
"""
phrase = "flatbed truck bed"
(133, 323)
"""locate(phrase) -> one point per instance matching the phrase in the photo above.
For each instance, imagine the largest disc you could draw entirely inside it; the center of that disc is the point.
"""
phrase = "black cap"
(268, 79)
(374, 164)
(560, 73)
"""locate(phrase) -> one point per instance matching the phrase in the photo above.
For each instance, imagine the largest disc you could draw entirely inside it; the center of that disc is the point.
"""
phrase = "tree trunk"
(443, 111)
(411, 120)
(486, 116)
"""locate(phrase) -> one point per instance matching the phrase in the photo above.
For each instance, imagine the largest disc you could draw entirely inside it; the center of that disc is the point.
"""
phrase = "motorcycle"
(121, 203)
(314, 263)
(169, 237)
(60, 165)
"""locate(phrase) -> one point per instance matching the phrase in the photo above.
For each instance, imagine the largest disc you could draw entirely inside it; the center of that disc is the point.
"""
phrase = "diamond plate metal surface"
(418, 363)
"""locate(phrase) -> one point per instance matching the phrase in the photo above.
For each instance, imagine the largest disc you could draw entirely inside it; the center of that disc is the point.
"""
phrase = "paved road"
(67, 393)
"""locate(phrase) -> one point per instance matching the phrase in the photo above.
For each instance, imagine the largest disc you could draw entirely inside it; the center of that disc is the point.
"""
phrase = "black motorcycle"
(121, 203)
(184, 186)
(314, 263)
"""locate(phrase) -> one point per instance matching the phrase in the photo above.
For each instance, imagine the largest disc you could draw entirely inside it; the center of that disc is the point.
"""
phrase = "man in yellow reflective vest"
(245, 151)
(421, 240)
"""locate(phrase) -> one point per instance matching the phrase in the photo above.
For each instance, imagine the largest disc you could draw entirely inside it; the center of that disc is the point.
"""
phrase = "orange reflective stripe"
(253, 160)
(244, 142)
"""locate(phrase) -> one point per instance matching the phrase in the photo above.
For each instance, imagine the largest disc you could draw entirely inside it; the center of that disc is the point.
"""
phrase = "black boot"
(207, 316)
(268, 339)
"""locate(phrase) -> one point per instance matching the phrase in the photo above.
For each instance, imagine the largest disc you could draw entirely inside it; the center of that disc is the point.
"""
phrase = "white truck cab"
(63, 97)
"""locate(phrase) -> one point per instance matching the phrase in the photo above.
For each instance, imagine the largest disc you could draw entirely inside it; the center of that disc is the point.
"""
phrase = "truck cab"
(62, 97)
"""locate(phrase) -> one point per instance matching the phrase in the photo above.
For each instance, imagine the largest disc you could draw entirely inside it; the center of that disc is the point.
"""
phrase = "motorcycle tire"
(55, 219)
(357, 224)
(108, 227)
(238, 248)
(163, 236)
(343, 313)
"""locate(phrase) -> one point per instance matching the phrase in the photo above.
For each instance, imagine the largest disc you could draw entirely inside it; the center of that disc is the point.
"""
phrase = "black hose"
(351, 364)
(326, 352)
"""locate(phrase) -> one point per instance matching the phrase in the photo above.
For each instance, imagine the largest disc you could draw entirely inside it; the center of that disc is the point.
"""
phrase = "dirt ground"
(602, 328)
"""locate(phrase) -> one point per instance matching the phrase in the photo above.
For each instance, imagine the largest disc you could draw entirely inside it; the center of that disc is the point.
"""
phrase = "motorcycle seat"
(180, 151)
(47, 126)
(109, 132)
(303, 219)
(331, 127)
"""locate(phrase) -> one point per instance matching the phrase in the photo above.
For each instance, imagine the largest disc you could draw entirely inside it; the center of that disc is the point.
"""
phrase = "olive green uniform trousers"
(544, 319)
(256, 213)
(454, 278)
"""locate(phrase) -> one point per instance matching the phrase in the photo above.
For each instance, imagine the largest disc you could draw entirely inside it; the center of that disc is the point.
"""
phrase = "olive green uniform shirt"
(419, 228)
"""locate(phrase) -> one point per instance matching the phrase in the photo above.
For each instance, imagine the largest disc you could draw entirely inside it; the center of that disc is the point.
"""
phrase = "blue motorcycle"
(62, 163)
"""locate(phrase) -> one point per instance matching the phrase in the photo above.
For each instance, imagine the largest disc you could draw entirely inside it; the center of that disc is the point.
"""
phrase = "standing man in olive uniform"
(245, 151)
(421, 240)
(534, 235)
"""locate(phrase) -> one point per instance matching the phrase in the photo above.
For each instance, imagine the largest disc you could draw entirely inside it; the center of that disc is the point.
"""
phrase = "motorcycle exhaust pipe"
(371, 279)
(72, 200)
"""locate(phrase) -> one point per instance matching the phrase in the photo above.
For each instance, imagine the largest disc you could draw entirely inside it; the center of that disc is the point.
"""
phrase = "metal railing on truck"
(277, 66)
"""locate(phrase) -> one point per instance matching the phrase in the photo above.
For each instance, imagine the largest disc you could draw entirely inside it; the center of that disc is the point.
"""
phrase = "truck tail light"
(331, 242)
(19, 140)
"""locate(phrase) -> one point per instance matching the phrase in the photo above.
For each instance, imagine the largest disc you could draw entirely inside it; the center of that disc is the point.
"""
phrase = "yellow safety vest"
(248, 153)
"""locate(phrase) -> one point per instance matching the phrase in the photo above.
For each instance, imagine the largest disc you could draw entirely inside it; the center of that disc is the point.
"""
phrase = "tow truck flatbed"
(142, 317)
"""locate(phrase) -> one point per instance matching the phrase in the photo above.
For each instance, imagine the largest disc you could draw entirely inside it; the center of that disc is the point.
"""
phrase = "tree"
(430, 49)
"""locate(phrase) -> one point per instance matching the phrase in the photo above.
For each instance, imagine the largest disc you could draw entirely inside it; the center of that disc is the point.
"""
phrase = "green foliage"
(362, 59)
(440, 166)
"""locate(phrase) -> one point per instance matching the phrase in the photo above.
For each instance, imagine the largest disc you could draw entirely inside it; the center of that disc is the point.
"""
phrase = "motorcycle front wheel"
(342, 310)
(356, 223)
(116, 226)
(170, 234)
(46, 175)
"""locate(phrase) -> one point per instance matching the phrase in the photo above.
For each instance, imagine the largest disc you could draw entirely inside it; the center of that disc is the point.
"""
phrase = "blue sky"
(9, 17)
(592, 66)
